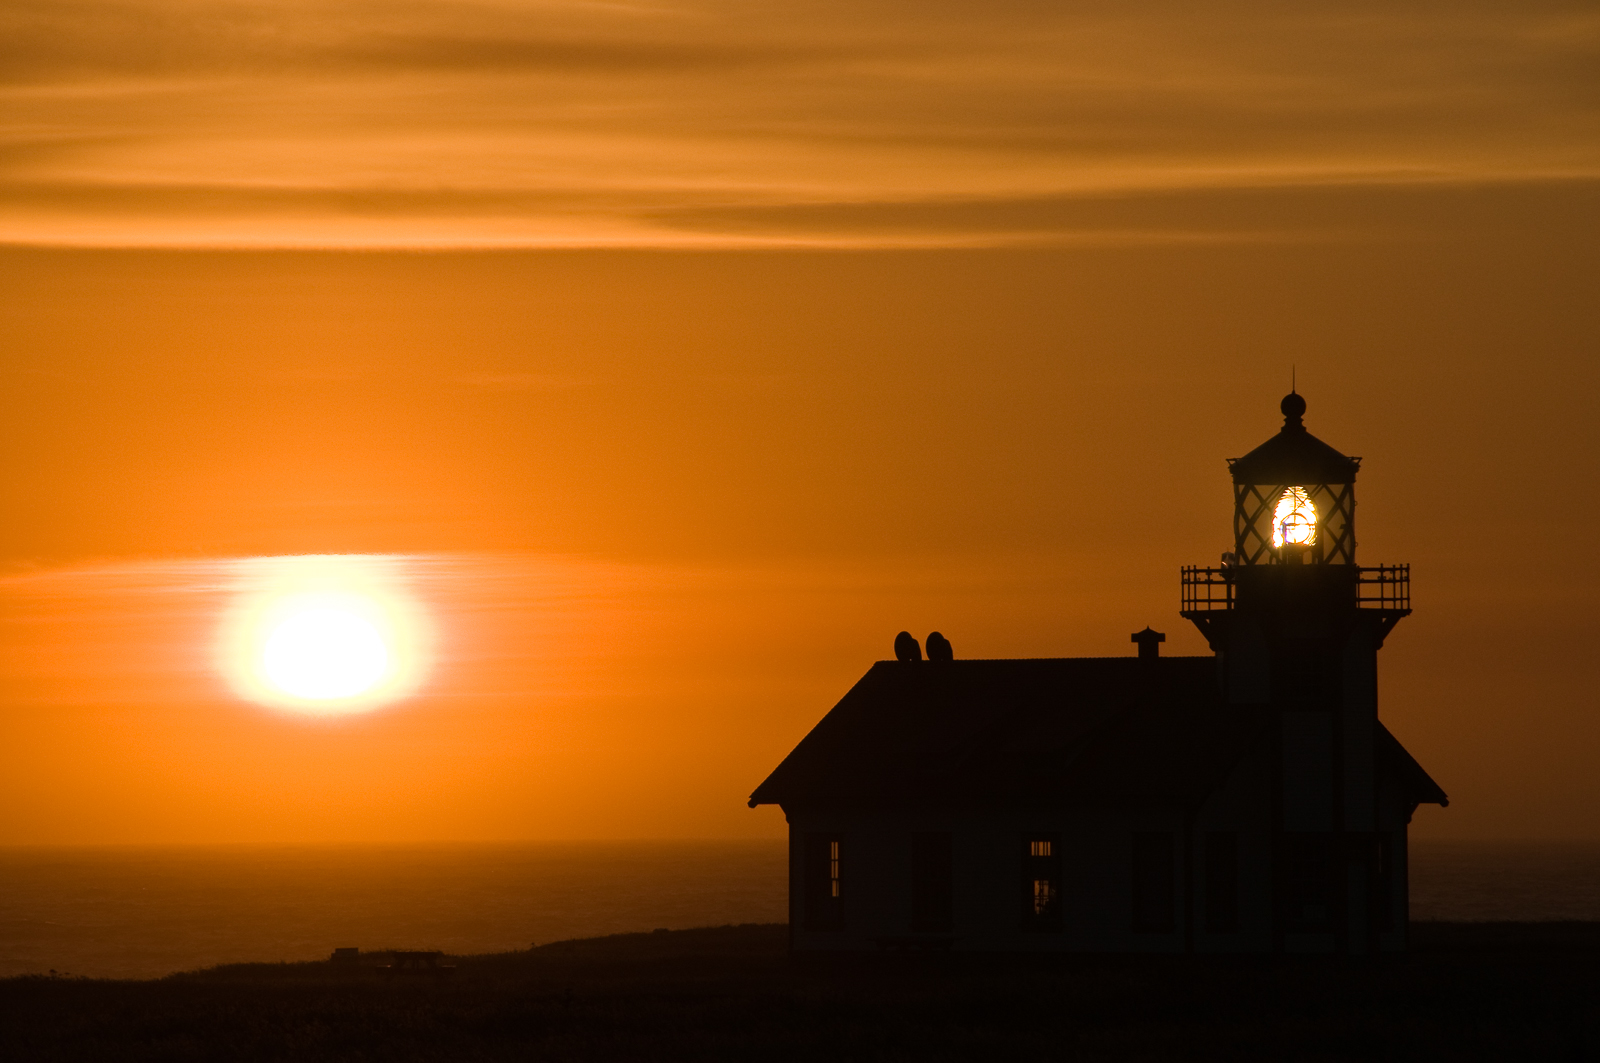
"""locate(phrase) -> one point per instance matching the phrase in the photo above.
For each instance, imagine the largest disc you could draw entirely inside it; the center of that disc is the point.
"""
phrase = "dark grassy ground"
(1466, 992)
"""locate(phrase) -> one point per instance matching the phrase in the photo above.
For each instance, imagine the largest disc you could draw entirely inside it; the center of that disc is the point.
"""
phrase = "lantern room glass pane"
(1294, 523)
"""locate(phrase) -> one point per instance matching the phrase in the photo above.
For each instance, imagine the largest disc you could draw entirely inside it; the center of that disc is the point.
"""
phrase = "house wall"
(1097, 875)
(987, 882)
(989, 902)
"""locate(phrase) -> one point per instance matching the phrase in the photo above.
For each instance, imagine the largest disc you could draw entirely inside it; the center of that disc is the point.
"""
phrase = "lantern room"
(1294, 538)
(1294, 499)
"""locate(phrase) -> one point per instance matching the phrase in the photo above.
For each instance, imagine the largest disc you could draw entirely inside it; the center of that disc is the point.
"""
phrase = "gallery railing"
(1379, 587)
(1207, 589)
(1386, 587)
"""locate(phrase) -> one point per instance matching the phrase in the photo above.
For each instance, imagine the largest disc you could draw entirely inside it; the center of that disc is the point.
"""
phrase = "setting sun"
(324, 648)
(324, 635)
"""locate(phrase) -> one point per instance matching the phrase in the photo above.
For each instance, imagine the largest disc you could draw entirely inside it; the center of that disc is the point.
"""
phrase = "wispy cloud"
(510, 625)
(716, 123)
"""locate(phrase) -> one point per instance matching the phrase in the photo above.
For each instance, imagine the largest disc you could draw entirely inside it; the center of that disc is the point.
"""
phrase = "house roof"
(1410, 774)
(1081, 730)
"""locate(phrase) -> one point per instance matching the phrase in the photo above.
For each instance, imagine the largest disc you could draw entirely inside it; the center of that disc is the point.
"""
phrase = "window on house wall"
(932, 882)
(824, 899)
(1222, 881)
(1042, 903)
(1154, 896)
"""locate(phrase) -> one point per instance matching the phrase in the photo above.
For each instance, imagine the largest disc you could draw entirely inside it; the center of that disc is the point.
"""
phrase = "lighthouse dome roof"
(1294, 456)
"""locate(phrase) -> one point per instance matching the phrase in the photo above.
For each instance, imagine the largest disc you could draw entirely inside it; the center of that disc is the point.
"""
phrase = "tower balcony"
(1209, 594)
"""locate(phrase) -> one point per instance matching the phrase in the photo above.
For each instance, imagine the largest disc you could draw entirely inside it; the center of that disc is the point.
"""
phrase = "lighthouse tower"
(1296, 625)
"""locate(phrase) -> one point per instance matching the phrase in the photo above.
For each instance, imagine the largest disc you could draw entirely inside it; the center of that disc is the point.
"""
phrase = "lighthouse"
(1249, 800)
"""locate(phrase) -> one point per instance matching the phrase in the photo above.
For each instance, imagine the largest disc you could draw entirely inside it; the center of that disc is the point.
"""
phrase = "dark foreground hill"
(1466, 992)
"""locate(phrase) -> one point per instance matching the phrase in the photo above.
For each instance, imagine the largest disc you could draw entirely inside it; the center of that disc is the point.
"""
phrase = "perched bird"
(939, 648)
(906, 648)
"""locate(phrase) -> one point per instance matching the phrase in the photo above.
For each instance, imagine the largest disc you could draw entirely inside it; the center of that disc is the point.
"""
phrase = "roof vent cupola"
(1149, 643)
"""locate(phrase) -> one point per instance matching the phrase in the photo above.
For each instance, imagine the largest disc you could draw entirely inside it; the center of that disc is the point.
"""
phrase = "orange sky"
(682, 354)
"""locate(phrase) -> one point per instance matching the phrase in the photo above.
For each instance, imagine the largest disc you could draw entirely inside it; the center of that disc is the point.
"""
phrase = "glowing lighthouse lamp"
(1294, 521)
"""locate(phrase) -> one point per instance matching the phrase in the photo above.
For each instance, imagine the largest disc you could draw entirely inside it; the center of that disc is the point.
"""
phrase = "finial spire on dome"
(1294, 408)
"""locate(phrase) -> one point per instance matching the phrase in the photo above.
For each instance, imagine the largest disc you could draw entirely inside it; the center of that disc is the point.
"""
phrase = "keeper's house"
(1249, 801)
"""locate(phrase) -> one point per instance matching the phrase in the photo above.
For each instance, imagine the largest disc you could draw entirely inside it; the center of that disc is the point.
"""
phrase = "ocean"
(141, 913)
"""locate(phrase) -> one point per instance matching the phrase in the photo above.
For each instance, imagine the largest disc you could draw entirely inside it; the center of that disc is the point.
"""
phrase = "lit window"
(1295, 519)
(823, 904)
(1044, 896)
(1041, 883)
